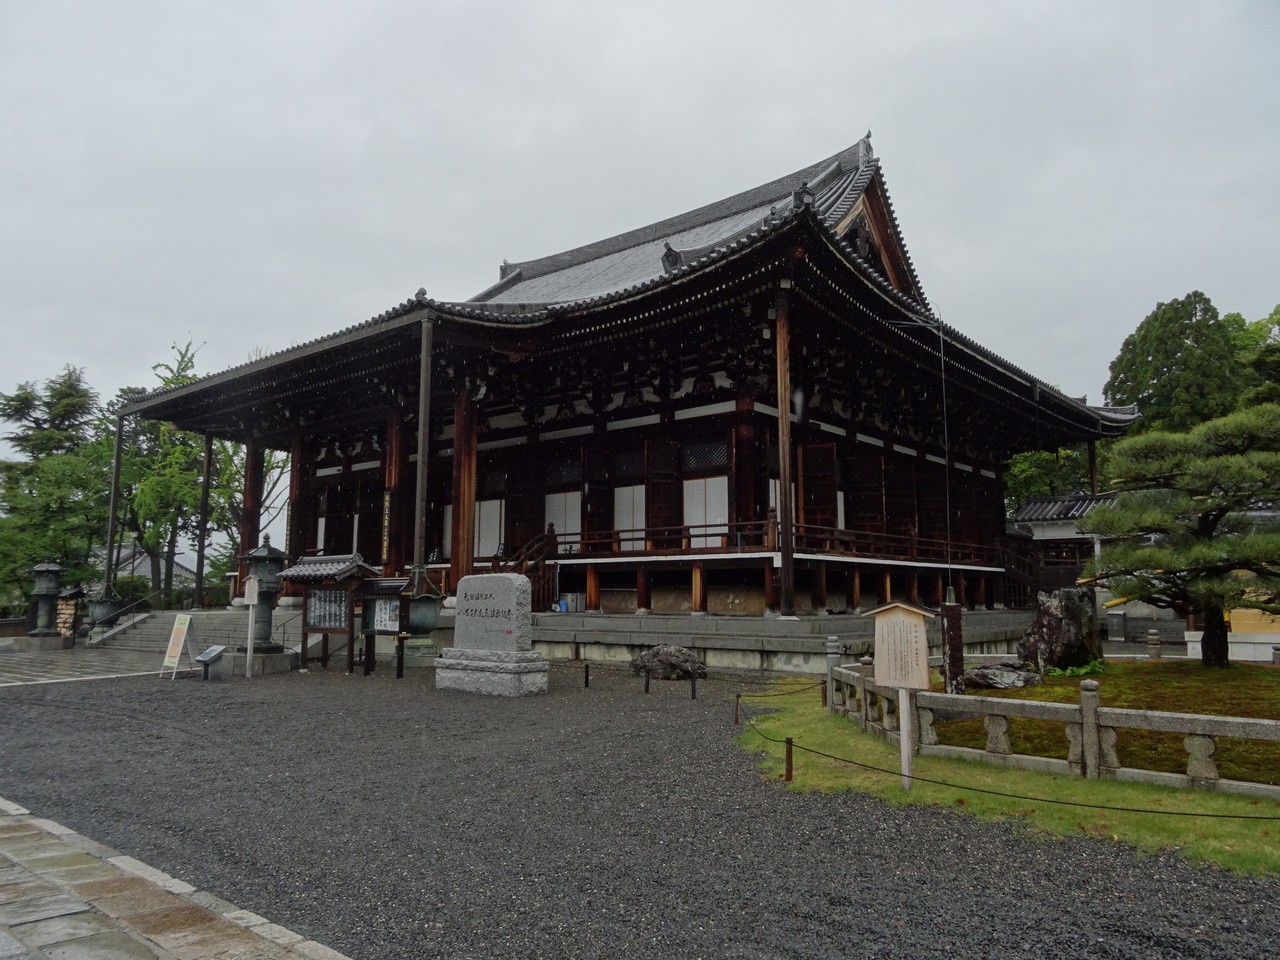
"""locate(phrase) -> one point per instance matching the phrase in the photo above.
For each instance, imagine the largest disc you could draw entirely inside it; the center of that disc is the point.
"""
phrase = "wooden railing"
(762, 535)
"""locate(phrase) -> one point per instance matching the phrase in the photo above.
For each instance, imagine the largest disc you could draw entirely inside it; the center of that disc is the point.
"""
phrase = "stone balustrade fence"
(1089, 727)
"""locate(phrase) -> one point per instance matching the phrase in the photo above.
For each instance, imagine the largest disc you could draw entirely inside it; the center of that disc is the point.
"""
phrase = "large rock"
(1006, 675)
(667, 662)
(1064, 632)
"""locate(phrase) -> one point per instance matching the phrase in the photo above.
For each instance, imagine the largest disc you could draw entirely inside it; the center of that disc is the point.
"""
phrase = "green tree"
(52, 498)
(160, 481)
(1044, 473)
(160, 475)
(1260, 352)
(1180, 367)
(1185, 530)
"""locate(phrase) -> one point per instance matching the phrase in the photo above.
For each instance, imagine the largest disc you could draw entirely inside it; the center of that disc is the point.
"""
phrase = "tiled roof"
(540, 291)
(1071, 507)
(337, 567)
(633, 258)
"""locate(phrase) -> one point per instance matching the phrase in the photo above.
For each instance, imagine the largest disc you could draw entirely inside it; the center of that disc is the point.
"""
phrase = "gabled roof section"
(833, 188)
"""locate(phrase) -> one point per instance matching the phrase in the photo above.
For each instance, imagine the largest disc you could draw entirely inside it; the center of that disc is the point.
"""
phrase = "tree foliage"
(1180, 367)
(51, 500)
(54, 498)
(1044, 473)
(1185, 531)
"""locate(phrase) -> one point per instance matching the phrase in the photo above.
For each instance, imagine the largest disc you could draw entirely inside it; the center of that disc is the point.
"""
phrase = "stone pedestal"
(493, 640)
(497, 674)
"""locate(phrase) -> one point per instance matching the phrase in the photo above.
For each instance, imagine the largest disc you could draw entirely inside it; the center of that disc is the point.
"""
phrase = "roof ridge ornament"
(803, 196)
(672, 259)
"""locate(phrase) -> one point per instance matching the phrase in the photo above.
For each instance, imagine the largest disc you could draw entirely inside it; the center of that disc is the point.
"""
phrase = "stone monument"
(492, 650)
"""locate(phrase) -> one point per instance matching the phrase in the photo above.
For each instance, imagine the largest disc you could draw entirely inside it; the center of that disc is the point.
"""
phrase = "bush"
(133, 589)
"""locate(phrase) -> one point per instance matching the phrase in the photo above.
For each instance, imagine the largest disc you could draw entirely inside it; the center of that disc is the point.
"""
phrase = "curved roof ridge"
(850, 158)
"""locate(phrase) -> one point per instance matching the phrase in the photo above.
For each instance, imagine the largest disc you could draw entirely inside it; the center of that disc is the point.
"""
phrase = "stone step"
(210, 628)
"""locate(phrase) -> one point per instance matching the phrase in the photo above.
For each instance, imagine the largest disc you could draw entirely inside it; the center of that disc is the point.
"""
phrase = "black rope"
(1008, 796)
(785, 693)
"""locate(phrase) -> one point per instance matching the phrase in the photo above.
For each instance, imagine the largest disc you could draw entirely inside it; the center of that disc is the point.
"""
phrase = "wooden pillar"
(299, 509)
(786, 531)
(698, 600)
(957, 581)
(980, 599)
(770, 589)
(593, 588)
(643, 600)
(886, 585)
(939, 590)
(913, 587)
(251, 518)
(202, 528)
(424, 449)
(855, 588)
(745, 459)
(393, 490)
(818, 588)
(462, 536)
(1093, 467)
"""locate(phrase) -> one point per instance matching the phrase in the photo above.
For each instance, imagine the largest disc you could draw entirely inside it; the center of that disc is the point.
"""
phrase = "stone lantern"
(265, 563)
(48, 584)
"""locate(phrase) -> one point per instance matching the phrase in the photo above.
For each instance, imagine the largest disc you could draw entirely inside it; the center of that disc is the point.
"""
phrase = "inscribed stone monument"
(492, 649)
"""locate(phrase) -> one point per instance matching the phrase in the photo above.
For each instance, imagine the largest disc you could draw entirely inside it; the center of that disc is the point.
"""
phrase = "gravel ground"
(389, 820)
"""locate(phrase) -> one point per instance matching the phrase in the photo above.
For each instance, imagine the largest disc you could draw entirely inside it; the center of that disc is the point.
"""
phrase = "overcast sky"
(254, 175)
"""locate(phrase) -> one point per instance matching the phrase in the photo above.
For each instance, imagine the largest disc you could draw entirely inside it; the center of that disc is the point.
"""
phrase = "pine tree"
(1186, 531)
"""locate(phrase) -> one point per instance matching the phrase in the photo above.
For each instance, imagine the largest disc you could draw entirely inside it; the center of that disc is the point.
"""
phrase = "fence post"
(737, 709)
(787, 775)
(833, 661)
(1089, 727)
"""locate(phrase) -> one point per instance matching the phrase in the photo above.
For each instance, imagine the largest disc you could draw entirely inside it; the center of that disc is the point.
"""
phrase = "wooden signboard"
(181, 637)
(902, 662)
(902, 647)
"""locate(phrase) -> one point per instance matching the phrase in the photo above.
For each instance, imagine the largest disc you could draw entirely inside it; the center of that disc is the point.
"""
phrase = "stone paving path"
(78, 663)
(65, 897)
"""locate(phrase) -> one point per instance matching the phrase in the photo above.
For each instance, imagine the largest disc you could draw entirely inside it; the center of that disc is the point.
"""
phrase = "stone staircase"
(209, 627)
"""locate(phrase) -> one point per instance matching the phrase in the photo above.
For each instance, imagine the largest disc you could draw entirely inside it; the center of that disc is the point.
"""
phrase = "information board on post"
(902, 662)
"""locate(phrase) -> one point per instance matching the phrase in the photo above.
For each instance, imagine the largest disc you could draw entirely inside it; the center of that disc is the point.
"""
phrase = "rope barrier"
(790, 743)
(785, 693)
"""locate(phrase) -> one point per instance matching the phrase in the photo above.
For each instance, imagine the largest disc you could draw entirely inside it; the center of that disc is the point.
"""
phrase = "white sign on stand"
(251, 601)
(902, 662)
(182, 637)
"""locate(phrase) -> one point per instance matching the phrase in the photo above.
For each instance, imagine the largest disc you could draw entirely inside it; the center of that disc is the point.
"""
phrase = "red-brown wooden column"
(592, 599)
(818, 587)
(643, 601)
(698, 600)
(394, 486)
(855, 588)
(745, 463)
(251, 518)
(299, 509)
(462, 536)
(786, 530)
